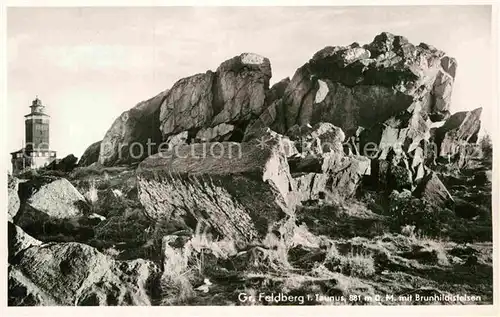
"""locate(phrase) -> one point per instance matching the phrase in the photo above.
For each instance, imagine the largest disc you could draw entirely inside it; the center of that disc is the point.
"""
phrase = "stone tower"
(36, 152)
(37, 127)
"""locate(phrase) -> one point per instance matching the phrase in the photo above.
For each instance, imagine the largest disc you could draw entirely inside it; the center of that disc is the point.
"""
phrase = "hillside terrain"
(350, 183)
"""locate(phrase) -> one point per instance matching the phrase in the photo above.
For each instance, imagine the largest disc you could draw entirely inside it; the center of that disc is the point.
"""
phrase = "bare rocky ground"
(299, 213)
(357, 247)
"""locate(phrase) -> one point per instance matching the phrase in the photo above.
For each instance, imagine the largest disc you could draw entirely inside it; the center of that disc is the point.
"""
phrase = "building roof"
(37, 114)
(29, 151)
(19, 151)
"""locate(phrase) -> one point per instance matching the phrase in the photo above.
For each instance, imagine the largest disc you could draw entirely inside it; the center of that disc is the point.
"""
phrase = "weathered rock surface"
(355, 86)
(272, 116)
(331, 182)
(18, 240)
(22, 292)
(240, 88)
(240, 190)
(318, 139)
(432, 190)
(48, 198)
(323, 170)
(13, 197)
(400, 148)
(91, 155)
(127, 139)
(219, 133)
(77, 274)
(188, 105)
(177, 139)
(217, 106)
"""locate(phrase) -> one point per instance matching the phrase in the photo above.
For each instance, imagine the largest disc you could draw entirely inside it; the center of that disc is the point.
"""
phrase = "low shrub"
(352, 264)
(426, 218)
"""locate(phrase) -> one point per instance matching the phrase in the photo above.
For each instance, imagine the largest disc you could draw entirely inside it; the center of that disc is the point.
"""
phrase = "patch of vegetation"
(351, 264)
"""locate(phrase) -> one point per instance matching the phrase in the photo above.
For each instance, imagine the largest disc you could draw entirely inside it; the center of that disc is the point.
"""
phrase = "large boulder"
(45, 198)
(91, 155)
(353, 86)
(134, 135)
(238, 189)
(77, 274)
(217, 106)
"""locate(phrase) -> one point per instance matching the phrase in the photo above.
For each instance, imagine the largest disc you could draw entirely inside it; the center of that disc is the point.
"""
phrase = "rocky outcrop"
(22, 292)
(49, 198)
(188, 105)
(91, 155)
(217, 106)
(272, 116)
(18, 240)
(323, 171)
(240, 190)
(134, 135)
(355, 86)
(458, 131)
(221, 169)
(66, 164)
(240, 88)
(77, 274)
(331, 182)
(400, 147)
(267, 137)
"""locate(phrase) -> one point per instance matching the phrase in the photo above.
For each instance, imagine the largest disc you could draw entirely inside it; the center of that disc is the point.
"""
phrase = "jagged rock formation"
(238, 189)
(127, 139)
(358, 86)
(457, 138)
(220, 103)
(361, 135)
(43, 199)
(73, 274)
(91, 155)
(323, 170)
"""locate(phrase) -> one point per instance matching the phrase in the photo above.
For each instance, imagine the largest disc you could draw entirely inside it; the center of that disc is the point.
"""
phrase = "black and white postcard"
(307, 156)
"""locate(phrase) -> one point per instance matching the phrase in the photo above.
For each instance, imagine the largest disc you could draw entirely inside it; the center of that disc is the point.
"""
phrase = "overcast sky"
(88, 65)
